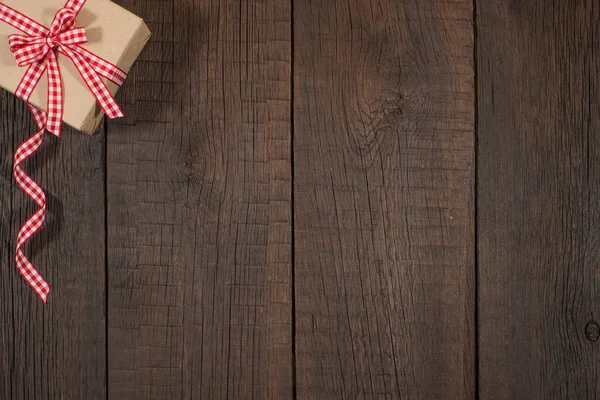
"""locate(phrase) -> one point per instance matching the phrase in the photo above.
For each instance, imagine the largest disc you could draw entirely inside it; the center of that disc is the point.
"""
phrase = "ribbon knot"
(37, 49)
(51, 42)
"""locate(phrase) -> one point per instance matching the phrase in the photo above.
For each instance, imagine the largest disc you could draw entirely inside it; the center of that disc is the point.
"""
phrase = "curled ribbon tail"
(33, 224)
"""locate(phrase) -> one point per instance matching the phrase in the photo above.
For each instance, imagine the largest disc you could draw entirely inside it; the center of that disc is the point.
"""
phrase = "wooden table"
(321, 199)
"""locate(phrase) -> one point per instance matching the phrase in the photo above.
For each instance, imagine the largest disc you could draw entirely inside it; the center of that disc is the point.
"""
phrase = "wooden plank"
(384, 227)
(57, 350)
(539, 154)
(199, 206)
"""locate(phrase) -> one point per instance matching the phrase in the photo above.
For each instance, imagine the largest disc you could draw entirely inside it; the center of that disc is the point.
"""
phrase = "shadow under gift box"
(113, 33)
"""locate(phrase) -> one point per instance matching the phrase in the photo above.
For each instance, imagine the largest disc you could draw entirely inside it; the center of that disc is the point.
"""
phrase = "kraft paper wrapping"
(113, 33)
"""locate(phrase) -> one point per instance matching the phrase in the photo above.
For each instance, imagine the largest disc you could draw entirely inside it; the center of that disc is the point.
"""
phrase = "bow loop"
(64, 20)
(72, 37)
(28, 49)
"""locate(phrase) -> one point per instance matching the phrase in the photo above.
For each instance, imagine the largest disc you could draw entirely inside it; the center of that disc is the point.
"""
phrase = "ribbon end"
(42, 291)
(43, 297)
(115, 112)
(55, 130)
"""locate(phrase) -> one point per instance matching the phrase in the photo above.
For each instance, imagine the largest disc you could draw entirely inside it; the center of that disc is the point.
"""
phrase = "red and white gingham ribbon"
(37, 49)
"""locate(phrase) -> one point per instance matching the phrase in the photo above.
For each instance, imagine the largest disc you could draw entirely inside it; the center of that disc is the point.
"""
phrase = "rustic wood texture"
(384, 227)
(287, 211)
(199, 206)
(57, 350)
(539, 168)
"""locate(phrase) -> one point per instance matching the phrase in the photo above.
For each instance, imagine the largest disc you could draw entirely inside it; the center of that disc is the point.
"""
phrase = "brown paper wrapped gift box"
(113, 33)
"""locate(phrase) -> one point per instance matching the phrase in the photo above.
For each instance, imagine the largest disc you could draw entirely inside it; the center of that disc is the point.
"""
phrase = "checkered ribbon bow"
(37, 50)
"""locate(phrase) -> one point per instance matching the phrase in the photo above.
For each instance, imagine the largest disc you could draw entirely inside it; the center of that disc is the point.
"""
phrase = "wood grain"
(539, 163)
(199, 206)
(384, 211)
(209, 244)
(57, 350)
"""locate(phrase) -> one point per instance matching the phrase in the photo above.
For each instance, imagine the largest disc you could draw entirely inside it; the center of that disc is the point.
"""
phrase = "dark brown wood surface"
(296, 207)
(384, 229)
(538, 199)
(199, 207)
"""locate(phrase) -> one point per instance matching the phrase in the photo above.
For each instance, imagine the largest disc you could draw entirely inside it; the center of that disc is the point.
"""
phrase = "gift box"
(113, 33)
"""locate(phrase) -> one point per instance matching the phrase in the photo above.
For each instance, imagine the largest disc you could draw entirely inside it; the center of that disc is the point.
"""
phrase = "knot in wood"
(592, 331)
